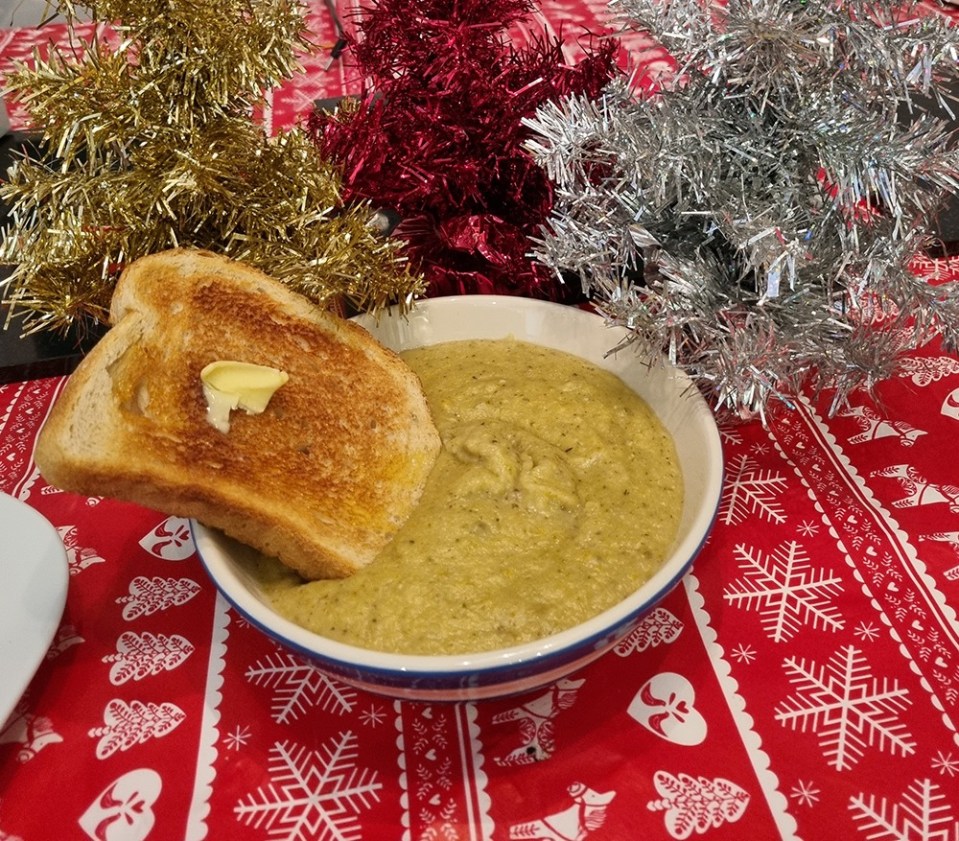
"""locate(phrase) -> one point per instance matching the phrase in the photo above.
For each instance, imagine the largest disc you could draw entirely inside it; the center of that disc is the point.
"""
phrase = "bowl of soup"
(575, 486)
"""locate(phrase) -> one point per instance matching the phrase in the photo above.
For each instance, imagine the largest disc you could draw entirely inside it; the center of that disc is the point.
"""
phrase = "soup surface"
(557, 492)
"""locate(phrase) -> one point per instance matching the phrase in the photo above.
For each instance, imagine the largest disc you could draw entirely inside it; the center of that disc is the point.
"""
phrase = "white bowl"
(488, 674)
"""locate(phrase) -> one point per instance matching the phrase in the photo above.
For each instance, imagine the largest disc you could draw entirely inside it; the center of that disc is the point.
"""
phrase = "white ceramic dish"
(495, 673)
(34, 575)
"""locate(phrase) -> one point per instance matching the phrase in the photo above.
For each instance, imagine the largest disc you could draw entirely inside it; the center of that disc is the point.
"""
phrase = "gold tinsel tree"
(149, 143)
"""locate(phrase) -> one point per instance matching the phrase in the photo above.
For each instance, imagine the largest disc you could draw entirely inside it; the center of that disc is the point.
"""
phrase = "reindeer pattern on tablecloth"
(535, 720)
(874, 426)
(32, 732)
(587, 813)
(918, 489)
(950, 538)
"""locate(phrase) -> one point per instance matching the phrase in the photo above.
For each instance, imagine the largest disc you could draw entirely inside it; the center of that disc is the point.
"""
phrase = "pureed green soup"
(556, 494)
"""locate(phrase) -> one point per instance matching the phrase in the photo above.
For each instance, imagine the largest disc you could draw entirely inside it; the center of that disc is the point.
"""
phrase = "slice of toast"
(321, 479)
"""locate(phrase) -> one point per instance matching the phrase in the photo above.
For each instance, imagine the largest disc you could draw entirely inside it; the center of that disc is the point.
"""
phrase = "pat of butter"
(229, 385)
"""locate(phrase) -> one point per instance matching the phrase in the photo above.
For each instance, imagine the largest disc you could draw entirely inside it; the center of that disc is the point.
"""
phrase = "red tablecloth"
(802, 682)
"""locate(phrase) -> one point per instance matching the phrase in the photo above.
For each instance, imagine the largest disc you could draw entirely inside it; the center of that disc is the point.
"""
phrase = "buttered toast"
(321, 478)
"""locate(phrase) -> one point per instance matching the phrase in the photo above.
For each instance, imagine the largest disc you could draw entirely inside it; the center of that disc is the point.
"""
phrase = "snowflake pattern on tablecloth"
(312, 794)
(373, 716)
(923, 814)
(867, 631)
(946, 764)
(298, 686)
(751, 492)
(238, 737)
(730, 435)
(786, 591)
(805, 793)
(846, 707)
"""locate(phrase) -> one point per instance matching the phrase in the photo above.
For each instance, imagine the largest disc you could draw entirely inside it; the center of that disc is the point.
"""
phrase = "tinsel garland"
(756, 219)
(437, 136)
(148, 143)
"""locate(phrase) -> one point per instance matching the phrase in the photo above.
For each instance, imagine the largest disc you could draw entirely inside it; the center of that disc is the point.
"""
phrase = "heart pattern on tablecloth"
(123, 811)
(665, 705)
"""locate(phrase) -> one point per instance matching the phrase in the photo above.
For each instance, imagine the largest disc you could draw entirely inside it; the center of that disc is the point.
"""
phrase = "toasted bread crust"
(322, 479)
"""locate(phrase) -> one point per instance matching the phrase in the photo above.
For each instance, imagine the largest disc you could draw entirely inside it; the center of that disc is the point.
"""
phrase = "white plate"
(33, 590)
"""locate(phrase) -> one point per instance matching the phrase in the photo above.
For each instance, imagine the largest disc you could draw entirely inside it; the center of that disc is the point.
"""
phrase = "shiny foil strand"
(150, 144)
(437, 137)
(756, 217)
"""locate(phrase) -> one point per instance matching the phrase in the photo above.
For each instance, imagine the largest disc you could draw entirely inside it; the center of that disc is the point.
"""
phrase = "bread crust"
(322, 479)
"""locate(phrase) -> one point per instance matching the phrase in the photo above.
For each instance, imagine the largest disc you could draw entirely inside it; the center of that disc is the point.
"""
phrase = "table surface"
(801, 682)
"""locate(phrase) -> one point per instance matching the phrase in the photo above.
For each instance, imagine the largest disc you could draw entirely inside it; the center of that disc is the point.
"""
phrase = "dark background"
(43, 354)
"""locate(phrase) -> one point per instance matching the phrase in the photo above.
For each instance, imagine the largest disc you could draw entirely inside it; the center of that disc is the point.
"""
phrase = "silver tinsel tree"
(756, 219)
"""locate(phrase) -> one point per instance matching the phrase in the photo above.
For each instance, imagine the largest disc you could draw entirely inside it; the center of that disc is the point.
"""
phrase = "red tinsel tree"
(437, 137)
